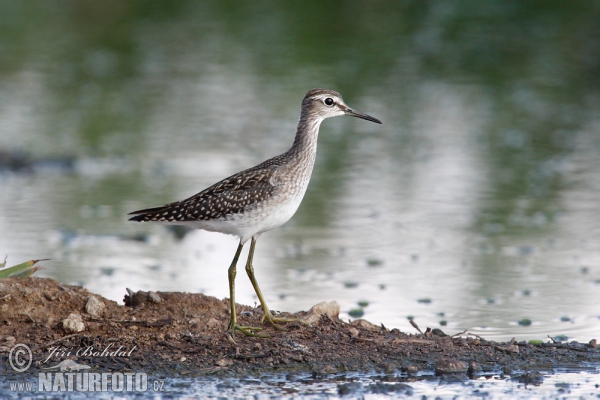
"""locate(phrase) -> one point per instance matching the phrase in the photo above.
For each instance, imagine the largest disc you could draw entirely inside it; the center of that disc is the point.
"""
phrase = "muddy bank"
(185, 334)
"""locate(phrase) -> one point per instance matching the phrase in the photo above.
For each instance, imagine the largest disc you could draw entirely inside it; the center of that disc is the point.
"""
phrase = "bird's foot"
(247, 330)
(275, 320)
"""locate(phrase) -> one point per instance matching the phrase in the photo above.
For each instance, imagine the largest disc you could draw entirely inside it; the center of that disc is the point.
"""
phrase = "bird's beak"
(352, 113)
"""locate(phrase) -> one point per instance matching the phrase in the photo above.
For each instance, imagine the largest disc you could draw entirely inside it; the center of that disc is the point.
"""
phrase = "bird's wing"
(232, 195)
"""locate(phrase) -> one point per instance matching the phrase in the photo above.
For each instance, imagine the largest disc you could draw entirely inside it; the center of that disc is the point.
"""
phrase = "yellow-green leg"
(267, 313)
(246, 330)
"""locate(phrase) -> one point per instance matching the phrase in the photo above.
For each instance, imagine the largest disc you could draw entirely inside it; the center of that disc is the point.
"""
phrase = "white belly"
(262, 218)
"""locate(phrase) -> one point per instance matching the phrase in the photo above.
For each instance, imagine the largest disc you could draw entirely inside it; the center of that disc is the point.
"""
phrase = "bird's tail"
(146, 214)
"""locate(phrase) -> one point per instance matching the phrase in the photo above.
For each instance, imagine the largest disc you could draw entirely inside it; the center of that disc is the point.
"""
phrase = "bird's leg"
(267, 313)
(246, 330)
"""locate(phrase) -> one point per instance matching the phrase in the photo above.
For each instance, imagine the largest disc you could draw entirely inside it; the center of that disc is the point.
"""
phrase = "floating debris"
(372, 262)
(356, 312)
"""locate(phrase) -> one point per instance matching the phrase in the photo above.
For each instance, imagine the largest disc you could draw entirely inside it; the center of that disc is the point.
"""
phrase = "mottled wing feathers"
(233, 195)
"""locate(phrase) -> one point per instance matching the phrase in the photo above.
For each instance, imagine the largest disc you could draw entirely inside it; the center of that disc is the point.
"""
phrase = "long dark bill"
(357, 114)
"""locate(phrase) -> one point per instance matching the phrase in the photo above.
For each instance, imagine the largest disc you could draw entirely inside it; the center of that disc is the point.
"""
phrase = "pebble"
(154, 297)
(332, 309)
(73, 323)
(450, 365)
(474, 367)
(94, 307)
(213, 323)
(513, 348)
(224, 362)
(363, 323)
(412, 369)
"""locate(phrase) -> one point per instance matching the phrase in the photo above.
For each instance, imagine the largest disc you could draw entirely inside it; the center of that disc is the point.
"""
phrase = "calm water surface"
(474, 206)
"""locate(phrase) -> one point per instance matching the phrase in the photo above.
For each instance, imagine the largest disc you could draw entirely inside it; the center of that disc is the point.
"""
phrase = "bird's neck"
(307, 133)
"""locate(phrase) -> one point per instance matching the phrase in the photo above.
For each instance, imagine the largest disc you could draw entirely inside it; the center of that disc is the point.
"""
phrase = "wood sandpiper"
(260, 198)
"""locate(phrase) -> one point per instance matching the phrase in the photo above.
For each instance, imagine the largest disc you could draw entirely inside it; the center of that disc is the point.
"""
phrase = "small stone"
(412, 369)
(449, 366)
(513, 348)
(73, 323)
(593, 343)
(332, 309)
(213, 323)
(353, 332)
(363, 323)
(474, 367)
(94, 307)
(50, 296)
(388, 367)
(182, 359)
(224, 362)
(154, 297)
(325, 369)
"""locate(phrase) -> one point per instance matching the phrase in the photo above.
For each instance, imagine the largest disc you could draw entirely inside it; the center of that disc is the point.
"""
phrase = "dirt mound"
(186, 334)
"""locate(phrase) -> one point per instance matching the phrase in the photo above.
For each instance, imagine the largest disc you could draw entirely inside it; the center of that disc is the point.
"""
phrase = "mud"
(185, 334)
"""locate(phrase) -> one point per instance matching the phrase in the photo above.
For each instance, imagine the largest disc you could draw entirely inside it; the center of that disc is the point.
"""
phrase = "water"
(473, 207)
(561, 383)
(568, 384)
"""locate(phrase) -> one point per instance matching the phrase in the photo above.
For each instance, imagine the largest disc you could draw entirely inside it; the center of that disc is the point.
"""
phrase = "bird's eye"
(329, 101)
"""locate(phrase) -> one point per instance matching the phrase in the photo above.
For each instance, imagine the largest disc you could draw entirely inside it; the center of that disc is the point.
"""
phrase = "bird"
(258, 199)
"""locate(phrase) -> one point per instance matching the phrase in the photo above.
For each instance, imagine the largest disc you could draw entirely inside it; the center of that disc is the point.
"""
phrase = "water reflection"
(478, 194)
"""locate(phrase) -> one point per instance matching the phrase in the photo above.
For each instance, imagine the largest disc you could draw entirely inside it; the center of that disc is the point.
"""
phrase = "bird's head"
(319, 104)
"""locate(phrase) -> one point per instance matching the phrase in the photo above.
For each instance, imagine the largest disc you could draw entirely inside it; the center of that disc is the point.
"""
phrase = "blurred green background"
(474, 206)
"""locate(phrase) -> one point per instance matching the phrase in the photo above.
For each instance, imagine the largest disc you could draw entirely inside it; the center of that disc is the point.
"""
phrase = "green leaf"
(22, 270)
